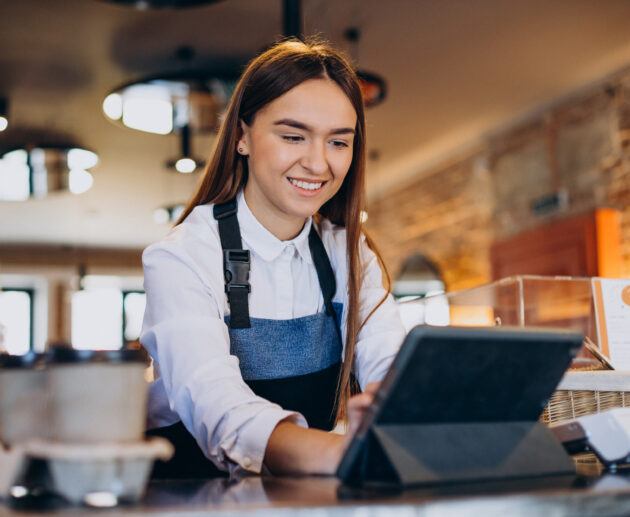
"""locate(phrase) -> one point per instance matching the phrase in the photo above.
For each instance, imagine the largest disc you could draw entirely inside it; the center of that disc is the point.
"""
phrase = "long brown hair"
(267, 77)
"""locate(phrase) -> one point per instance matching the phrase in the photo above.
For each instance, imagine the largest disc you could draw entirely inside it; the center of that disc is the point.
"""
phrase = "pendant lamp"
(36, 172)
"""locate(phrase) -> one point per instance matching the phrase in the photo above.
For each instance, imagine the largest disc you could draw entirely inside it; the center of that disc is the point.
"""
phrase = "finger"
(360, 401)
(372, 387)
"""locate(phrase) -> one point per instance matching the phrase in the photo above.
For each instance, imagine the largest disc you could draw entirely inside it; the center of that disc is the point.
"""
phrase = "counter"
(586, 494)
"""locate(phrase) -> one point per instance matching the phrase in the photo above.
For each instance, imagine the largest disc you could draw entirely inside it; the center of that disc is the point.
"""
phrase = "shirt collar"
(265, 243)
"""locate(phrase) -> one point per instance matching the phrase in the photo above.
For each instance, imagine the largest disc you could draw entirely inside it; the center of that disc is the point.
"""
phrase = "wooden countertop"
(580, 495)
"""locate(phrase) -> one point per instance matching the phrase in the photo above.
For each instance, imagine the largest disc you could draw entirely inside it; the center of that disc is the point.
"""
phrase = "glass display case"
(524, 301)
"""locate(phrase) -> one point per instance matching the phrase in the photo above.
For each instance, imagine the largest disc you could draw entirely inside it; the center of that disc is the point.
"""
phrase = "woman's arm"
(296, 450)
(292, 449)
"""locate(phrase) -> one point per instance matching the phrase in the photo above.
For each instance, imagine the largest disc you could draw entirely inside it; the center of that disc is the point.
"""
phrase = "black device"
(462, 404)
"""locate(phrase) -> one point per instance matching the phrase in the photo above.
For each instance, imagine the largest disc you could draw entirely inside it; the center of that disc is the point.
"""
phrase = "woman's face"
(299, 149)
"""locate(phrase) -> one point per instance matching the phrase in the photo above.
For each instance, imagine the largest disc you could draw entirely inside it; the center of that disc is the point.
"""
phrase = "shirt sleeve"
(184, 332)
(382, 334)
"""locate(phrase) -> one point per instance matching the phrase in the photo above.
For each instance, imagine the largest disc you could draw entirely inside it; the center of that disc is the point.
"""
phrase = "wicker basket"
(587, 393)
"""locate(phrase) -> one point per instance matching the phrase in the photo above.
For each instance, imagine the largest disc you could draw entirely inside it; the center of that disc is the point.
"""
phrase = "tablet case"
(462, 404)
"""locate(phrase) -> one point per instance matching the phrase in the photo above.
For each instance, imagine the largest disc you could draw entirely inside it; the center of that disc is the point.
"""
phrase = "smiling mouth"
(306, 185)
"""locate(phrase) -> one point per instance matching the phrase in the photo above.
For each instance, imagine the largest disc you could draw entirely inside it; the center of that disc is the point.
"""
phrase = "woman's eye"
(292, 138)
(339, 143)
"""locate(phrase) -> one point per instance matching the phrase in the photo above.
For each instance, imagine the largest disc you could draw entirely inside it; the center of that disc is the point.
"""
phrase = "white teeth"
(306, 186)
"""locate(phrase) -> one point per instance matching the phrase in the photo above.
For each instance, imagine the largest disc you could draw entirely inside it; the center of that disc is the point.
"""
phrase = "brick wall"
(580, 147)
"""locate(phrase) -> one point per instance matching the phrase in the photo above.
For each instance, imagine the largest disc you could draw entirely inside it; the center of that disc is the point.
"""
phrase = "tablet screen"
(461, 374)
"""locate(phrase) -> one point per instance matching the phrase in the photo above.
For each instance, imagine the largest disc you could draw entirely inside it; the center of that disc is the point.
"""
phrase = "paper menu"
(612, 314)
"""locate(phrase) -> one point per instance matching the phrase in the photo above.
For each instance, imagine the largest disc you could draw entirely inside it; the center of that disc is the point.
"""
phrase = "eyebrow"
(299, 125)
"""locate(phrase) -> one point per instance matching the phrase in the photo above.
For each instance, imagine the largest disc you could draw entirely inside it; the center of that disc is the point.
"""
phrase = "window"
(97, 319)
(16, 320)
(107, 314)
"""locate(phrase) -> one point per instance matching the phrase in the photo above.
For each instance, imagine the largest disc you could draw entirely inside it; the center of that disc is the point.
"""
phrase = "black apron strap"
(229, 230)
(236, 264)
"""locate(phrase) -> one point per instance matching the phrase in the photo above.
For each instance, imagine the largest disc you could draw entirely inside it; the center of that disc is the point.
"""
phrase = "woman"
(259, 374)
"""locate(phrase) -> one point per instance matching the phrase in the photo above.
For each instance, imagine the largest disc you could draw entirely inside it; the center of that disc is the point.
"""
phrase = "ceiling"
(456, 71)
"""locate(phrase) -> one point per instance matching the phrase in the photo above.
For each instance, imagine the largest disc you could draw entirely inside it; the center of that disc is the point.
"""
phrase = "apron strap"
(236, 264)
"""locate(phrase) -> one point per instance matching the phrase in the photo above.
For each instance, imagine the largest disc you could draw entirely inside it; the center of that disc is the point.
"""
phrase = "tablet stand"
(418, 454)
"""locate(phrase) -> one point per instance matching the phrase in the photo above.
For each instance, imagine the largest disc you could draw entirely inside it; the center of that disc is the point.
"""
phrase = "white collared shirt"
(198, 381)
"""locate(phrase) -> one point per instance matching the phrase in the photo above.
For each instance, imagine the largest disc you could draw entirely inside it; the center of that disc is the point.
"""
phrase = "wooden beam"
(73, 256)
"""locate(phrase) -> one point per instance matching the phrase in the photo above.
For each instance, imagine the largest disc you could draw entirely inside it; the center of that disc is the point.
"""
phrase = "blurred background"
(498, 141)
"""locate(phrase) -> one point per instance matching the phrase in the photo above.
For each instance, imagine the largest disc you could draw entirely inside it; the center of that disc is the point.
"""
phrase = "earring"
(240, 150)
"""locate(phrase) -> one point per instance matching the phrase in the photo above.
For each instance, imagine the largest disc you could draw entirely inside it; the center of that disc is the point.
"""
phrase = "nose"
(315, 159)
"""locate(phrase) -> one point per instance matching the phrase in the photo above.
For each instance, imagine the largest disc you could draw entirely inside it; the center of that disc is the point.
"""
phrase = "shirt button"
(247, 462)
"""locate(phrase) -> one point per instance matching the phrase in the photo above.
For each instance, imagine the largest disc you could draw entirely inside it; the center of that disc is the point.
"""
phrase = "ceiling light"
(148, 107)
(39, 171)
(81, 159)
(177, 211)
(14, 176)
(185, 163)
(4, 115)
(165, 105)
(80, 181)
(168, 214)
(112, 106)
(161, 216)
(373, 86)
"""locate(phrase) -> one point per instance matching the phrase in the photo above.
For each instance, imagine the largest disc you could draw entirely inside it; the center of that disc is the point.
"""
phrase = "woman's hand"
(357, 405)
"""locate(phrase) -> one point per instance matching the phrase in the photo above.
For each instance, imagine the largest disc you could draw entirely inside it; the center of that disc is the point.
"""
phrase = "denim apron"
(294, 363)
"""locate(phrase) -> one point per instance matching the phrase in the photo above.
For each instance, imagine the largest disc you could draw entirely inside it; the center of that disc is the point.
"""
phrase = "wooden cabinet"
(582, 246)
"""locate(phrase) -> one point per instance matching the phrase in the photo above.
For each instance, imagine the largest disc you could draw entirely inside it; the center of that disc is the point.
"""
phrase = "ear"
(242, 144)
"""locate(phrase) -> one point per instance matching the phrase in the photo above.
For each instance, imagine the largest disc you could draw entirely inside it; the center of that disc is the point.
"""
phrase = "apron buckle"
(236, 269)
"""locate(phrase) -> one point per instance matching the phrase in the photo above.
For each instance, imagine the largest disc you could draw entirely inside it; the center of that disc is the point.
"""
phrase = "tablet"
(463, 375)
